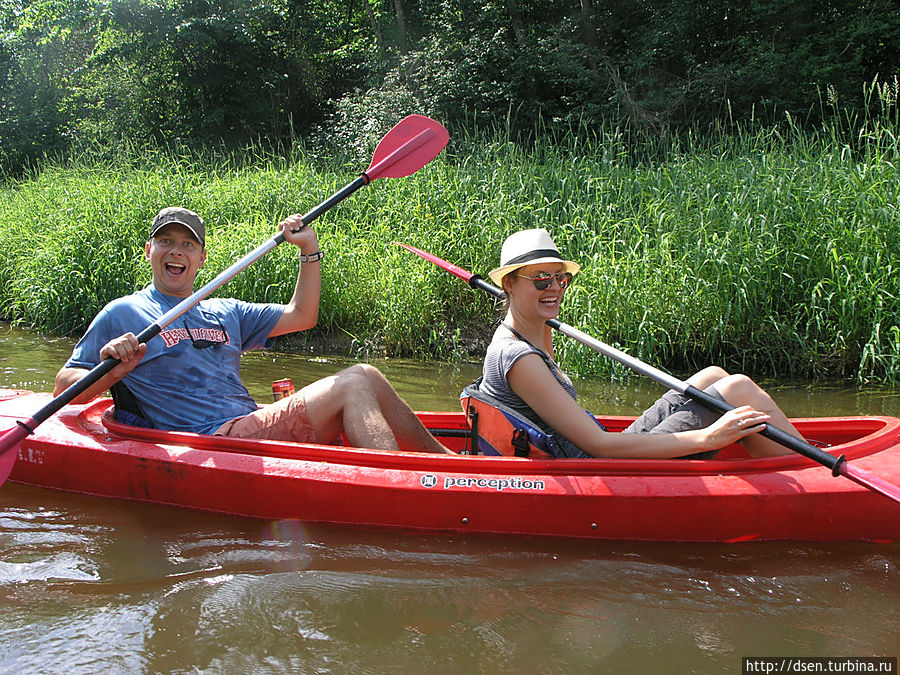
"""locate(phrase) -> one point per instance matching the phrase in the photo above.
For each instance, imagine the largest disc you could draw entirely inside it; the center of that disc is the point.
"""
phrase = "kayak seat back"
(498, 430)
(126, 408)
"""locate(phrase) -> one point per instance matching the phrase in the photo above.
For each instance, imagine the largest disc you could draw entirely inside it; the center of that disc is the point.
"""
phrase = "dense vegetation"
(203, 72)
(726, 171)
(772, 250)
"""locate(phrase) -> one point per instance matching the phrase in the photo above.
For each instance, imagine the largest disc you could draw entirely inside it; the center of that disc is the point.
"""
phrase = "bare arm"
(302, 310)
(125, 348)
(533, 383)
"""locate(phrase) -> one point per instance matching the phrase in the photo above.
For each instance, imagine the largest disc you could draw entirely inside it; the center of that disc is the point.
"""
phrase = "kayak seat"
(500, 431)
(126, 408)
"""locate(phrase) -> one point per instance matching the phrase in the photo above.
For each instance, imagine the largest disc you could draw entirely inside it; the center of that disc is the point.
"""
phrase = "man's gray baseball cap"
(176, 214)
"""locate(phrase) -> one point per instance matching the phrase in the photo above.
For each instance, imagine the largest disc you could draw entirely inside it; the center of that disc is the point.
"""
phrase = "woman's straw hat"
(528, 247)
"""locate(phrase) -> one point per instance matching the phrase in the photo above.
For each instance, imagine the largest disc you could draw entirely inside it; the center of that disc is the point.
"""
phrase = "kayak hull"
(82, 450)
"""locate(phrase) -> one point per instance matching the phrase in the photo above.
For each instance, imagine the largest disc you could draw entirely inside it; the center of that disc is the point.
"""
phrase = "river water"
(93, 585)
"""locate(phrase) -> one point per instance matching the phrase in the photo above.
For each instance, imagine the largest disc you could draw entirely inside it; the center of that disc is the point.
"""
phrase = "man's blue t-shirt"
(178, 386)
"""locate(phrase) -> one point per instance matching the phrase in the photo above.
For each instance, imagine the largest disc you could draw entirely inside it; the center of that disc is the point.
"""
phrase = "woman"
(520, 371)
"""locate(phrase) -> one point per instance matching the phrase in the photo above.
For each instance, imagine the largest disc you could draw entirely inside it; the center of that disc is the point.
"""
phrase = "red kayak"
(81, 449)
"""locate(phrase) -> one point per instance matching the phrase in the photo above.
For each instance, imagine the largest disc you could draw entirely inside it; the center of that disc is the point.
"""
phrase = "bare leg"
(704, 378)
(408, 429)
(361, 403)
(341, 403)
(741, 390)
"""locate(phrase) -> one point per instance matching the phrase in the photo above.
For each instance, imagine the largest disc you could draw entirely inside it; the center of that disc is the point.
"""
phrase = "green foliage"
(665, 67)
(76, 72)
(772, 250)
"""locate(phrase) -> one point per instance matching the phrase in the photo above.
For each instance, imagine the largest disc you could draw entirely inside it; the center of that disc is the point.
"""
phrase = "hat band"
(533, 255)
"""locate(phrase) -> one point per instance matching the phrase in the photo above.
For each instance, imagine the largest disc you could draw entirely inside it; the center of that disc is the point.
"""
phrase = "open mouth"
(550, 302)
(175, 269)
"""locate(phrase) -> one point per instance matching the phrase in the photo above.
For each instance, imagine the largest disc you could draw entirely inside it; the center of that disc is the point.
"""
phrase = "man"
(189, 375)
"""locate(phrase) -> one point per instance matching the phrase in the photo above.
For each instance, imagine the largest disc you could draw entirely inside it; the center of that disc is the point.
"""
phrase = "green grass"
(767, 250)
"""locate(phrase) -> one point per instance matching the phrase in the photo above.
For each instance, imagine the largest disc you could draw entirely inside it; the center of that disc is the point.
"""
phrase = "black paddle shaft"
(92, 377)
(476, 281)
(778, 435)
(334, 199)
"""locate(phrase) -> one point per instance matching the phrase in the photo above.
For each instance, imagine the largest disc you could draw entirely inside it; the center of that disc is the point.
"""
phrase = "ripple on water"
(64, 566)
(43, 545)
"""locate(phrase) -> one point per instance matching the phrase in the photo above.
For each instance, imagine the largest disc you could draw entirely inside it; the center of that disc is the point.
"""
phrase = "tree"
(228, 71)
(401, 26)
(41, 40)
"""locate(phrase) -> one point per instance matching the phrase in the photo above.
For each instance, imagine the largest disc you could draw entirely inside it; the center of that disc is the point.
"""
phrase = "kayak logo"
(31, 455)
(429, 480)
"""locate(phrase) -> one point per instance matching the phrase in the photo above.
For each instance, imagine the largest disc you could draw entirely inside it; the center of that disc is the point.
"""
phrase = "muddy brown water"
(93, 585)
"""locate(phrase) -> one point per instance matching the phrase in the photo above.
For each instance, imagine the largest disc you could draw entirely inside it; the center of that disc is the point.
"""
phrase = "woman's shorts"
(676, 412)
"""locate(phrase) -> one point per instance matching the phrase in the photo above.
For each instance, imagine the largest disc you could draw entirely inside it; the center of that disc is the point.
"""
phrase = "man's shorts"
(283, 420)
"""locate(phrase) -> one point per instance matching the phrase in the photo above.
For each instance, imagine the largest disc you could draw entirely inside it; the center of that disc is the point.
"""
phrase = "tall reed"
(769, 250)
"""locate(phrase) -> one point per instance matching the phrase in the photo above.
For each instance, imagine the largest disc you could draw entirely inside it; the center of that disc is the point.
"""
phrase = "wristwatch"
(312, 257)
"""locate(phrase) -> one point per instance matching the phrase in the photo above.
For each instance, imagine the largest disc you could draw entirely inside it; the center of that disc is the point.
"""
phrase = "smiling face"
(175, 257)
(526, 300)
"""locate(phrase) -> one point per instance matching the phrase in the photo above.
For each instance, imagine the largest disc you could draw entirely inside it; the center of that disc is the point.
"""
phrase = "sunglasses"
(203, 343)
(542, 281)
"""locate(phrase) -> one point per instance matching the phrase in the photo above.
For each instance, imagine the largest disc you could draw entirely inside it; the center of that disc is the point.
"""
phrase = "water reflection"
(93, 585)
(30, 361)
(165, 590)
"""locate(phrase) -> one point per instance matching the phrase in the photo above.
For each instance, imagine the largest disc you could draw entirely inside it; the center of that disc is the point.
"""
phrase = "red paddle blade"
(7, 459)
(411, 144)
(9, 449)
(867, 480)
(450, 267)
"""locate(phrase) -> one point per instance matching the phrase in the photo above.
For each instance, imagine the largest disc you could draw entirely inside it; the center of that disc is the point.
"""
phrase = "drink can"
(282, 388)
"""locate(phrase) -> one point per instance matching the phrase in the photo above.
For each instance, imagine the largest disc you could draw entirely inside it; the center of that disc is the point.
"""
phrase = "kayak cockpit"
(851, 436)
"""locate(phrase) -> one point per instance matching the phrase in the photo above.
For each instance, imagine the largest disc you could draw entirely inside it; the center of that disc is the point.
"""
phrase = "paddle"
(405, 149)
(839, 465)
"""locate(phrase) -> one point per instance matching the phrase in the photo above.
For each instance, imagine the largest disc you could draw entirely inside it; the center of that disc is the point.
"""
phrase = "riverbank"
(464, 344)
(770, 251)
